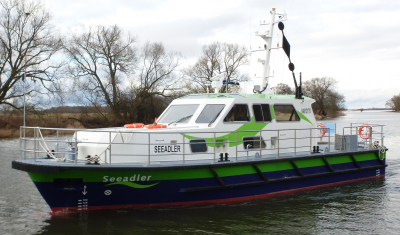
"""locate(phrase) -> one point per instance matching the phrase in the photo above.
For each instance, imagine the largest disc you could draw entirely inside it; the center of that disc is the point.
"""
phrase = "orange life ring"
(134, 125)
(369, 131)
(155, 126)
(323, 129)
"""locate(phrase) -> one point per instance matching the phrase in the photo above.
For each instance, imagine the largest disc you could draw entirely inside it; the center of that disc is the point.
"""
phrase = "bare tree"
(326, 98)
(394, 103)
(26, 34)
(157, 71)
(103, 57)
(218, 58)
(283, 89)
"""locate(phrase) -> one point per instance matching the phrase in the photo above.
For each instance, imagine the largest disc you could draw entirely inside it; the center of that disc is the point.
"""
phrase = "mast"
(268, 39)
(267, 36)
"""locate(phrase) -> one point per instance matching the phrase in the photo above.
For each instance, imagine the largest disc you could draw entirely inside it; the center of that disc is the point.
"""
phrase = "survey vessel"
(207, 148)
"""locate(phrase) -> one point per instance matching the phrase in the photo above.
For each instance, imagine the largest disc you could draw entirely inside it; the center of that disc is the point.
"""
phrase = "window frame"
(198, 116)
(270, 114)
(235, 122)
(287, 120)
(169, 106)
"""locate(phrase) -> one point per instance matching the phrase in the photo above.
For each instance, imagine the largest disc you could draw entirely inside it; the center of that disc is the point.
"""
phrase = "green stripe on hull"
(339, 159)
(309, 162)
(98, 176)
(235, 170)
(141, 177)
(365, 156)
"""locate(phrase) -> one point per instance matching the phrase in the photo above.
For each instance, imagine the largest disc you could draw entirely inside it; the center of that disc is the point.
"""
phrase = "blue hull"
(98, 195)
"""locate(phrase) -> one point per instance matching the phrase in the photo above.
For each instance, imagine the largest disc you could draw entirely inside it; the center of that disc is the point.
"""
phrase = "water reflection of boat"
(205, 148)
(304, 212)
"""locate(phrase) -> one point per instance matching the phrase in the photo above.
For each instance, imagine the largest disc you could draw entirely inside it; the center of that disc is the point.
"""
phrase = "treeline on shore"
(108, 75)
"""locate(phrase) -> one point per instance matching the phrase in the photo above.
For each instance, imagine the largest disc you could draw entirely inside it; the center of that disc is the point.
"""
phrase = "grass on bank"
(10, 124)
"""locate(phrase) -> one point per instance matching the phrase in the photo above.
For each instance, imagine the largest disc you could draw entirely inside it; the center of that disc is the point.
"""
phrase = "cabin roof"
(242, 96)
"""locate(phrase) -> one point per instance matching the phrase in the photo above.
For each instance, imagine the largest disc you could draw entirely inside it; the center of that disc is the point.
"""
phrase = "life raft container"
(134, 125)
(368, 130)
(323, 129)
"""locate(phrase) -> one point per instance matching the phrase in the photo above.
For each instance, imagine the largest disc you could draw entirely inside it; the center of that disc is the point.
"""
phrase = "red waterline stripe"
(56, 210)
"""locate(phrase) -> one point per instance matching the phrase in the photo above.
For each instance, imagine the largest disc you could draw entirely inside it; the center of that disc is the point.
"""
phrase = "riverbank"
(322, 117)
(10, 124)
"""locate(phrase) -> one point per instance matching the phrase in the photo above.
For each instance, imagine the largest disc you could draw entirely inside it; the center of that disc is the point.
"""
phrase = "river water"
(367, 207)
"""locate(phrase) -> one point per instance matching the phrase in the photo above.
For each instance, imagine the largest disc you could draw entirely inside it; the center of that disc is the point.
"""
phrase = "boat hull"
(98, 187)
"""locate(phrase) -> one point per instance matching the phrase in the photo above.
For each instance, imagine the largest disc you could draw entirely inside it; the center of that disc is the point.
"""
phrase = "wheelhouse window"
(178, 113)
(253, 142)
(262, 112)
(285, 113)
(238, 113)
(198, 146)
(209, 113)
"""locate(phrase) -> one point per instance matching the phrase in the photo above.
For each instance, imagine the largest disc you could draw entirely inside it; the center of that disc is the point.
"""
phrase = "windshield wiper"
(215, 118)
(179, 120)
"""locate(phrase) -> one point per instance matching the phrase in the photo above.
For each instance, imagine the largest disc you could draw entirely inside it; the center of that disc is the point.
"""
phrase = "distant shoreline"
(371, 109)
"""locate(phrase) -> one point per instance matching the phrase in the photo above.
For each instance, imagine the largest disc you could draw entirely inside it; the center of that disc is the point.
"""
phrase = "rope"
(46, 148)
(96, 159)
(381, 148)
(93, 160)
(49, 153)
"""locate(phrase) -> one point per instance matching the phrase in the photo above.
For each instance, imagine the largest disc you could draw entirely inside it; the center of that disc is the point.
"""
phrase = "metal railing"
(376, 133)
(39, 144)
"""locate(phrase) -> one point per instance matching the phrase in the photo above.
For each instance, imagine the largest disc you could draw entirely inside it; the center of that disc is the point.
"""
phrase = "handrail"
(277, 135)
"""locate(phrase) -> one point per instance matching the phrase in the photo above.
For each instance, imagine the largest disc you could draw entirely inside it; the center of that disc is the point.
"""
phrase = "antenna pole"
(268, 39)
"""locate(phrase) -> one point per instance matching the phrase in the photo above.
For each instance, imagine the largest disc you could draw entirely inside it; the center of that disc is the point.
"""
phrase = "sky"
(355, 42)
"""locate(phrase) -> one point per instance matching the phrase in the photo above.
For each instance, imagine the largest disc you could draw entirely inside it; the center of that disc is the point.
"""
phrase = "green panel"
(98, 176)
(365, 156)
(231, 137)
(197, 173)
(275, 166)
(339, 159)
(304, 117)
(235, 170)
(310, 162)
